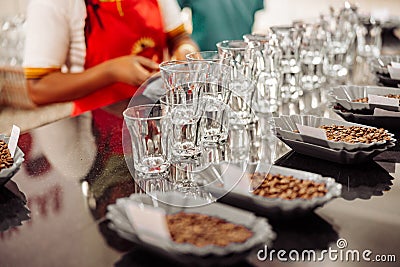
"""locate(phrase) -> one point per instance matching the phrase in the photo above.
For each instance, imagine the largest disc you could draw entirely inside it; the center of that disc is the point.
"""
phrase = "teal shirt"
(218, 20)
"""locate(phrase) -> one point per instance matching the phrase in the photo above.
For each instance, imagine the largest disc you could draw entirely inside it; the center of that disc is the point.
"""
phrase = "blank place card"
(311, 131)
(385, 113)
(13, 141)
(149, 222)
(235, 179)
(394, 72)
(395, 64)
(382, 100)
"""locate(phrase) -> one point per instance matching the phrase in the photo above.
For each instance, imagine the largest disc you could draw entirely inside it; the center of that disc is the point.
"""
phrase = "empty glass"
(209, 56)
(289, 39)
(214, 120)
(185, 82)
(245, 57)
(369, 40)
(190, 74)
(339, 39)
(349, 20)
(267, 97)
(312, 55)
(219, 73)
(147, 125)
(184, 114)
(244, 75)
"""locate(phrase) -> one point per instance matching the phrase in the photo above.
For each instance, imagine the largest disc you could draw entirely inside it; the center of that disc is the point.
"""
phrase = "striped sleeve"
(47, 38)
(171, 13)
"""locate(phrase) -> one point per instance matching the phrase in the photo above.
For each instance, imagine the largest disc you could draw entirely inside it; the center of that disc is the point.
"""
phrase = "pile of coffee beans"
(6, 160)
(202, 230)
(287, 187)
(355, 134)
(365, 99)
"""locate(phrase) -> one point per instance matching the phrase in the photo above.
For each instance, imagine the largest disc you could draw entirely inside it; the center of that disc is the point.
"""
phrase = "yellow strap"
(37, 73)
(119, 6)
(175, 32)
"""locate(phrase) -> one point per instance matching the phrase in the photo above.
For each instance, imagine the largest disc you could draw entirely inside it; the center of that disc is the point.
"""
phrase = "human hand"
(133, 70)
(182, 50)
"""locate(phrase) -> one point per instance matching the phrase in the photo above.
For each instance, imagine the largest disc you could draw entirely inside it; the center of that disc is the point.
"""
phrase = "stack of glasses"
(204, 117)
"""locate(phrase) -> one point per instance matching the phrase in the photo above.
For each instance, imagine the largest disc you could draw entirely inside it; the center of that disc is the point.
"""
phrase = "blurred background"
(276, 12)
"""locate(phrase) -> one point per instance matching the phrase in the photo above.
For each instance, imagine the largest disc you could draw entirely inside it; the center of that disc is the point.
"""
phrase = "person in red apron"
(125, 41)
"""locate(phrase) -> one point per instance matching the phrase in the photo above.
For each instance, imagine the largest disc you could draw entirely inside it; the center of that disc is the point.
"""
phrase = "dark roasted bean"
(288, 187)
(6, 160)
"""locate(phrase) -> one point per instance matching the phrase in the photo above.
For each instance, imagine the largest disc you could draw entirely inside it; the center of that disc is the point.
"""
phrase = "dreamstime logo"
(341, 254)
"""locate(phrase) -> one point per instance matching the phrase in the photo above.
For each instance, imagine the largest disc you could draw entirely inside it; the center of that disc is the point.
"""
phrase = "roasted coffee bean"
(202, 230)
(6, 160)
(365, 99)
(355, 134)
(287, 187)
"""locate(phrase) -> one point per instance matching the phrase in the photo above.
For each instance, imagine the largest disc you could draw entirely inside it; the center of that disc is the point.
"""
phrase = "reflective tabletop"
(53, 210)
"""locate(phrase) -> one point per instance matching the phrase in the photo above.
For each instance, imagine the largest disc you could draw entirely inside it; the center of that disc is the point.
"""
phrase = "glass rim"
(148, 106)
(208, 52)
(220, 44)
(250, 44)
(258, 37)
(167, 66)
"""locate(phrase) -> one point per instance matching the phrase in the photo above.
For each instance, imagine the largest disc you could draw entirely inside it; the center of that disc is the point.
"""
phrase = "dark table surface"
(75, 167)
(52, 212)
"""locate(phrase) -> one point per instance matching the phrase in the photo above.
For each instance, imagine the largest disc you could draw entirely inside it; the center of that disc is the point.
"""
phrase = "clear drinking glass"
(245, 57)
(185, 82)
(312, 55)
(214, 95)
(191, 74)
(184, 114)
(209, 56)
(369, 40)
(349, 20)
(289, 39)
(267, 97)
(338, 43)
(147, 125)
(244, 75)
(219, 73)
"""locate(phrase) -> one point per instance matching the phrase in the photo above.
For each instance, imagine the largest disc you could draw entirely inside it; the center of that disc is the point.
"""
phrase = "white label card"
(13, 141)
(236, 180)
(394, 72)
(383, 100)
(395, 64)
(385, 113)
(149, 223)
(312, 131)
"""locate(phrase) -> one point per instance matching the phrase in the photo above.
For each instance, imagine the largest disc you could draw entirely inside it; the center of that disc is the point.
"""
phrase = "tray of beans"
(212, 232)
(341, 156)
(275, 190)
(367, 117)
(9, 166)
(338, 134)
(379, 67)
(293, 189)
(355, 97)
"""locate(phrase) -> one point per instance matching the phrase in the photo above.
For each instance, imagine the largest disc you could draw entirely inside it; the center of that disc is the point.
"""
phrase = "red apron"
(119, 28)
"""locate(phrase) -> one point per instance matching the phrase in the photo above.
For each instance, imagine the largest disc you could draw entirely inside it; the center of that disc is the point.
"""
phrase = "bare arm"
(181, 45)
(61, 87)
